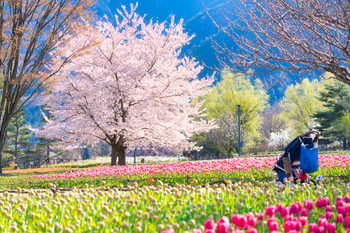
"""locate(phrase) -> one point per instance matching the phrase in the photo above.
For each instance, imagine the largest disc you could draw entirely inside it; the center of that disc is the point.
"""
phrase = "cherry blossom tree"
(130, 90)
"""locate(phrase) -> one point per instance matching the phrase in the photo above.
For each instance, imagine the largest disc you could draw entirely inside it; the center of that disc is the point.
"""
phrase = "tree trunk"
(3, 132)
(118, 151)
(48, 151)
(345, 146)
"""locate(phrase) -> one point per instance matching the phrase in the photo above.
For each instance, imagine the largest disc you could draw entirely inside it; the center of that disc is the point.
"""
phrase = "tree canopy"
(221, 104)
(130, 90)
(300, 104)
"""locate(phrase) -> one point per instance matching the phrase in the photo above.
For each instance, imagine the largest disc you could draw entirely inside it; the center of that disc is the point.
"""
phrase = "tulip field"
(178, 198)
(172, 173)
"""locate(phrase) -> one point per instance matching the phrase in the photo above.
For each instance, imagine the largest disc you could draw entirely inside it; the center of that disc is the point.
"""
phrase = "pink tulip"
(329, 215)
(320, 229)
(241, 221)
(339, 198)
(347, 199)
(252, 230)
(196, 231)
(169, 231)
(287, 226)
(209, 231)
(270, 211)
(303, 220)
(308, 205)
(322, 222)
(284, 212)
(347, 222)
(298, 226)
(209, 224)
(279, 207)
(331, 227)
(339, 218)
(222, 225)
(251, 220)
(304, 212)
(341, 210)
(260, 216)
(273, 225)
(313, 228)
(329, 208)
(339, 203)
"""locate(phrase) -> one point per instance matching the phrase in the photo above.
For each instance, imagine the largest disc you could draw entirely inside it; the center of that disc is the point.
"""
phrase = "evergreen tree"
(333, 118)
(18, 138)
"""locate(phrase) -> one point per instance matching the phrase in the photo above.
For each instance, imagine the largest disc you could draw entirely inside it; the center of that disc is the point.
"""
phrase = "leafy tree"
(345, 125)
(335, 98)
(221, 104)
(287, 35)
(35, 35)
(130, 90)
(299, 106)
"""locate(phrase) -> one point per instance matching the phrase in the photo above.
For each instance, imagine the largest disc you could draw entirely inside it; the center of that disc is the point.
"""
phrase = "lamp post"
(239, 130)
(135, 155)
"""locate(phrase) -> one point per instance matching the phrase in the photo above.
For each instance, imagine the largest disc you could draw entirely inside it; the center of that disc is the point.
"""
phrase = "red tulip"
(260, 216)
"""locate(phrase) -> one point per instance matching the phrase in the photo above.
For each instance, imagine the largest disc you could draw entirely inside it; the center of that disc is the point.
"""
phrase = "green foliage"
(18, 135)
(345, 124)
(221, 104)
(333, 117)
(300, 104)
